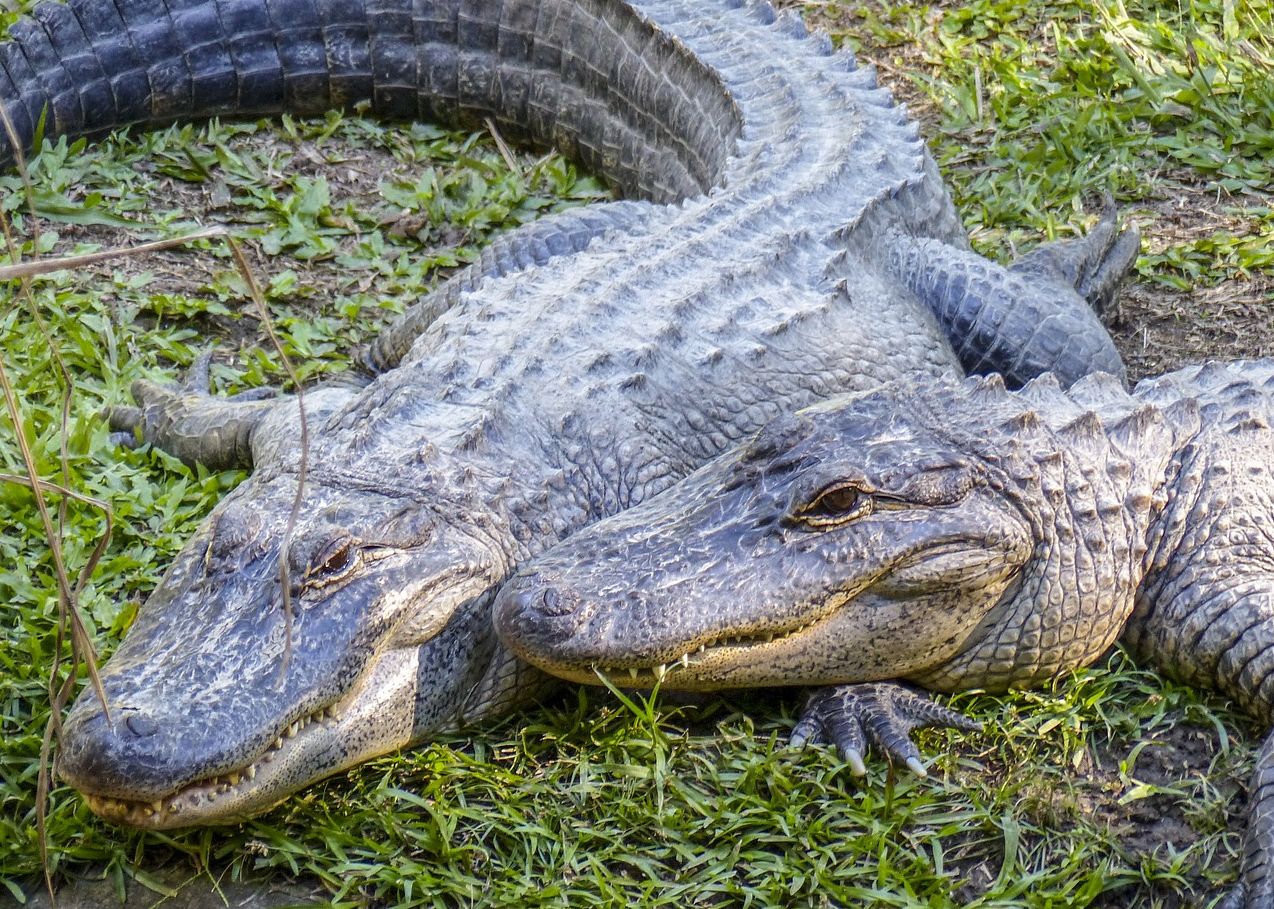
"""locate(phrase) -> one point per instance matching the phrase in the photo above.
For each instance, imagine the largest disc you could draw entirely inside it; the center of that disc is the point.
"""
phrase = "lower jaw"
(145, 816)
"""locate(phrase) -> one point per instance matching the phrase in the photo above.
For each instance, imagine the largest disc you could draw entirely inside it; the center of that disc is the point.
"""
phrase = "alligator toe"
(884, 715)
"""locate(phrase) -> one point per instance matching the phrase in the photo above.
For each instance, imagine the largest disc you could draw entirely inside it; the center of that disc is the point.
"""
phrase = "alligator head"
(851, 542)
(219, 708)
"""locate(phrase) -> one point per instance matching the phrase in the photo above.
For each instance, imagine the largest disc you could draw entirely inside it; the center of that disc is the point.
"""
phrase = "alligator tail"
(89, 67)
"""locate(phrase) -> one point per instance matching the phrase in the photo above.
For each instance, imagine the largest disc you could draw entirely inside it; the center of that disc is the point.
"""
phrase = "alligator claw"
(124, 422)
(881, 714)
(1094, 264)
(199, 377)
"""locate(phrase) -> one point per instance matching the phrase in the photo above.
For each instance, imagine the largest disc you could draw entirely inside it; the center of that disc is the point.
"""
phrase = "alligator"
(948, 536)
(785, 237)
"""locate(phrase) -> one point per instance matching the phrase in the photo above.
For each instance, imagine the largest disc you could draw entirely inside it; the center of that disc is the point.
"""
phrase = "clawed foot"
(881, 714)
(185, 420)
(1094, 264)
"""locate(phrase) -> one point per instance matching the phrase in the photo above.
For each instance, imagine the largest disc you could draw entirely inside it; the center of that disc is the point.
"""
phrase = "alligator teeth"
(156, 806)
(684, 661)
(278, 743)
(251, 772)
(632, 674)
(234, 779)
(659, 672)
(292, 730)
(702, 648)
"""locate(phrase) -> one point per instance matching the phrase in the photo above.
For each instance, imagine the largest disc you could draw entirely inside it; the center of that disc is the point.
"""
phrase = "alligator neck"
(1089, 470)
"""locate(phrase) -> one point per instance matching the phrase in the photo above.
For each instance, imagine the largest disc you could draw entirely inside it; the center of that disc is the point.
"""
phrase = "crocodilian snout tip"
(123, 756)
(532, 610)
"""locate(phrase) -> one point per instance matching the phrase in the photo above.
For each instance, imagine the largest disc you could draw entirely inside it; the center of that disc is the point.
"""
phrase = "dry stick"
(82, 649)
(66, 597)
(59, 695)
(19, 159)
(68, 609)
(505, 151)
(254, 289)
(100, 504)
(44, 266)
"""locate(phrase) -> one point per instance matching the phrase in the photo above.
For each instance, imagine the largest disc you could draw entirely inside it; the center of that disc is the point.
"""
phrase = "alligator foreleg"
(197, 427)
(1039, 314)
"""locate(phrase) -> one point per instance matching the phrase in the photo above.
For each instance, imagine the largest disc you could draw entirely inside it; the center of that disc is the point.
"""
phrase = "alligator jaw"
(189, 805)
(336, 737)
(726, 650)
(707, 663)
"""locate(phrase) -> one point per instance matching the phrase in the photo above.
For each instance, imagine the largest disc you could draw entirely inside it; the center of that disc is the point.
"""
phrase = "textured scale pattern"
(979, 539)
(763, 261)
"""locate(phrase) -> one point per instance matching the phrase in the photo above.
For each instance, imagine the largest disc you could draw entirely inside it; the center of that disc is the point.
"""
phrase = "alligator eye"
(332, 563)
(836, 505)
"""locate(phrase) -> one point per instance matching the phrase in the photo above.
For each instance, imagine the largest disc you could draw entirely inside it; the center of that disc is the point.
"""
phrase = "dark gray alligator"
(956, 536)
(788, 239)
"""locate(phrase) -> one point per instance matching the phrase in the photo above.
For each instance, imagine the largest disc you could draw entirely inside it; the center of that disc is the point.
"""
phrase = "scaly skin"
(789, 240)
(957, 536)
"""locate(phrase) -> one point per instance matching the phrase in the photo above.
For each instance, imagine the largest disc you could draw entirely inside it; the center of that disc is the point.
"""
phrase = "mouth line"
(650, 674)
(196, 797)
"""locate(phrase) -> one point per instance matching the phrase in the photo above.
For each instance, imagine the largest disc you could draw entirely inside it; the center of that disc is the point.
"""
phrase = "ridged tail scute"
(639, 108)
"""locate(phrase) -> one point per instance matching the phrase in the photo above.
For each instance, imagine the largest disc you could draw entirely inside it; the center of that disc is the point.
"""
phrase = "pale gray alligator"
(956, 536)
(788, 238)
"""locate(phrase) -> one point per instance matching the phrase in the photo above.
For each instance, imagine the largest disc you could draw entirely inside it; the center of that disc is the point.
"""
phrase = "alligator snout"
(125, 757)
(531, 609)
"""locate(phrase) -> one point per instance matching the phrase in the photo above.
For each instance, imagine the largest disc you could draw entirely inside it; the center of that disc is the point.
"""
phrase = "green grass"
(1041, 107)
(1113, 788)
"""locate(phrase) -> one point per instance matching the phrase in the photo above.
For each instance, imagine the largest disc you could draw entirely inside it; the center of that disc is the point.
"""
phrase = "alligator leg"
(881, 714)
(1038, 315)
(1256, 883)
(1210, 630)
(1227, 641)
(1094, 264)
(191, 424)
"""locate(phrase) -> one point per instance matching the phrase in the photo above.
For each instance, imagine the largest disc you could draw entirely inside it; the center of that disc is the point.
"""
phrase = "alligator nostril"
(550, 600)
(551, 604)
(141, 725)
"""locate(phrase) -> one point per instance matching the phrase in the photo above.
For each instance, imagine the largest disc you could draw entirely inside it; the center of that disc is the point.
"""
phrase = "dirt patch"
(173, 888)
